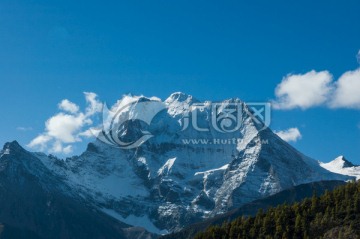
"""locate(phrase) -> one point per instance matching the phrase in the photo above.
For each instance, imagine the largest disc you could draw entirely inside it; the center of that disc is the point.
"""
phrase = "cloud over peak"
(68, 126)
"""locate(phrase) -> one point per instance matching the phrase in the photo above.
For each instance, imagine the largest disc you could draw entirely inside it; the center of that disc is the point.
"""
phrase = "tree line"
(335, 214)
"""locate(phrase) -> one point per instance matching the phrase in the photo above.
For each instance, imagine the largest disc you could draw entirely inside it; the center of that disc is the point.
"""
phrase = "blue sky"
(214, 50)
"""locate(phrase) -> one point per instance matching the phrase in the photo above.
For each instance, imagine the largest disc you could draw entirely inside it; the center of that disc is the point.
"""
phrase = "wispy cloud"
(68, 106)
(21, 128)
(40, 142)
(289, 135)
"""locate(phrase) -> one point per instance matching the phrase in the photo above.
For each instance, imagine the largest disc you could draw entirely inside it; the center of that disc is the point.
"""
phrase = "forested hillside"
(335, 214)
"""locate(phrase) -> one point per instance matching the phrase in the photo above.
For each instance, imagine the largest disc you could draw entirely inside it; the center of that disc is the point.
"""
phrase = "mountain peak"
(342, 166)
(343, 162)
(12, 146)
(180, 97)
(338, 163)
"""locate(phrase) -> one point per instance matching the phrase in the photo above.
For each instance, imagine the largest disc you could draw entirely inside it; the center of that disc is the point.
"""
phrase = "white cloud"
(68, 149)
(303, 91)
(358, 57)
(347, 91)
(91, 132)
(40, 142)
(94, 106)
(289, 135)
(58, 147)
(68, 106)
(20, 128)
(64, 126)
(68, 127)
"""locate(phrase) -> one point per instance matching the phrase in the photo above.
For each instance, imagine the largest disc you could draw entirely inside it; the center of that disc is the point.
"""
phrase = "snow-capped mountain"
(342, 166)
(167, 182)
(180, 176)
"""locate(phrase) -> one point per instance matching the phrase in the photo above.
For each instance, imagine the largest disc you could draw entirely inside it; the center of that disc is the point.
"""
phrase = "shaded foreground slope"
(34, 203)
(335, 214)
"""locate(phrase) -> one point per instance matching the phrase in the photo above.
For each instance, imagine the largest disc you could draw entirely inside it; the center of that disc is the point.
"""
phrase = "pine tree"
(335, 212)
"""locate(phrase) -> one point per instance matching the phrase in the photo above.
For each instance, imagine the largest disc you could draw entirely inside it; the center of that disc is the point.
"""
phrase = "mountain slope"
(35, 203)
(288, 196)
(173, 179)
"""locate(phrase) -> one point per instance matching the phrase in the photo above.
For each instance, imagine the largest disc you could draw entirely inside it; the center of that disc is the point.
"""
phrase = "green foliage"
(335, 214)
